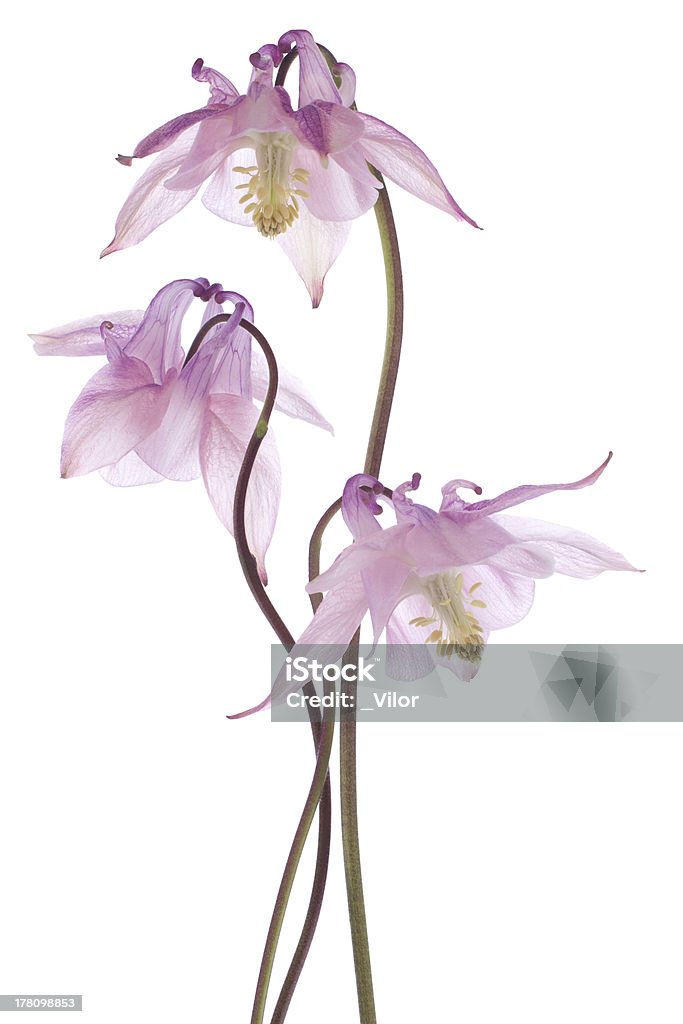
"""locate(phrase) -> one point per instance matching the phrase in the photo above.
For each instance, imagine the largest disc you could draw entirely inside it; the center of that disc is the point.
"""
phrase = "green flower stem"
(347, 731)
(323, 798)
(373, 461)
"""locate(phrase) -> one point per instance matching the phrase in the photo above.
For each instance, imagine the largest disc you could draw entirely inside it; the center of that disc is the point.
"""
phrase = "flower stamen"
(458, 630)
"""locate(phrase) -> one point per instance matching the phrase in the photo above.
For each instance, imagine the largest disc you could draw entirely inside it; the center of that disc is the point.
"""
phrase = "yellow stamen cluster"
(458, 631)
(271, 191)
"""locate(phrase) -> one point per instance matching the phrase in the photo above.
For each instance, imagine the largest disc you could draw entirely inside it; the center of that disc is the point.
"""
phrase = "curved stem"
(324, 797)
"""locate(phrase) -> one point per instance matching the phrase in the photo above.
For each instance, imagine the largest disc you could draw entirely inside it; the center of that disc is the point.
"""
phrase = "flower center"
(457, 630)
(271, 191)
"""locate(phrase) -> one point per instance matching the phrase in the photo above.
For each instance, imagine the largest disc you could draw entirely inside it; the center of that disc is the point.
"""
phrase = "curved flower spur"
(298, 175)
(155, 412)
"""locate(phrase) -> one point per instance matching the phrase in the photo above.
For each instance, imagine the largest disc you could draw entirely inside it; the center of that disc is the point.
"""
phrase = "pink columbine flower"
(297, 175)
(149, 415)
(447, 578)
(438, 583)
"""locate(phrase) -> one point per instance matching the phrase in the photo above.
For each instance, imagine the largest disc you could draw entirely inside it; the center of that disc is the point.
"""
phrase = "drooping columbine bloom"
(149, 414)
(297, 175)
(437, 583)
(447, 578)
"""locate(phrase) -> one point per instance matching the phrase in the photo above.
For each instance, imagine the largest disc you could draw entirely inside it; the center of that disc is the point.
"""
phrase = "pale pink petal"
(292, 398)
(315, 78)
(228, 426)
(172, 450)
(213, 145)
(438, 545)
(570, 552)
(370, 554)
(82, 337)
(150, 203)
(130, 471)
(384, 586)
(408, 657)
(527, 491)
(116, 410)
(524, 559)
(508, 598)
(221, 195)
(313, 245)
(403, 162)
(333, 194)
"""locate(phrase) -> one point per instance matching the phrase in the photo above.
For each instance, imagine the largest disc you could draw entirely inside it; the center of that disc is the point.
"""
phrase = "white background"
(512, 872)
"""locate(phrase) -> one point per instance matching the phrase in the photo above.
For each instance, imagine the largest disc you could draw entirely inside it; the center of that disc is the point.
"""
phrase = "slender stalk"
(373, 461)
(307, 816)
(316, 797)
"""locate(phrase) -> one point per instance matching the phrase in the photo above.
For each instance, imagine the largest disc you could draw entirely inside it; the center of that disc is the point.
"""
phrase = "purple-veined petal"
(172, 450)
(221, 195)
(168, 133)
(360, 507)
(292, 398)
(157, 340)
(404, 163)
(570, 551)
(229, 349)
(130, 471)
(150, 203)
(527, 491)
(115, 411)
(228, 426)
(315, 78)
(82, 337)
(222, 89)
(327, 128)
(313, 245)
